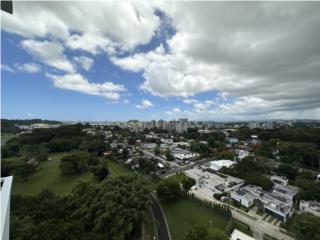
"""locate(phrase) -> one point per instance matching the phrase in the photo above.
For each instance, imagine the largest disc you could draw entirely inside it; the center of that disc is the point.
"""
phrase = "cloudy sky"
(128, 60)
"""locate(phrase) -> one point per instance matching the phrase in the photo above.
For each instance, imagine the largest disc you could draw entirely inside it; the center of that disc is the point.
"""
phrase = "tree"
(26, 170)
(288, 170)
(156, 150)
(112, 209)
(168, 189)
(74, 164)
(100, 172)
(169, 156)
(211, 141)
(187, 183)
(42, 156)
(306, 226)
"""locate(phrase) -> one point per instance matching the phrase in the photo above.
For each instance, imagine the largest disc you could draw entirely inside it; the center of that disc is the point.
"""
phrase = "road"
(184, 168)
(176, 168)
(162, 226)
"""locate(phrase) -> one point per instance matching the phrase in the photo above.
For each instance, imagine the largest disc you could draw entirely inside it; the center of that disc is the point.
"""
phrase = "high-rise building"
(172, 125)
(161, 124)
(182, 125)
(5, 192)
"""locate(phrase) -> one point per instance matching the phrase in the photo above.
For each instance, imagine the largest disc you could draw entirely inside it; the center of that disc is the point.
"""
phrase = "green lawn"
(5, 137)
(49, 177)
(183, 214)
(178, 177)
(117, 169)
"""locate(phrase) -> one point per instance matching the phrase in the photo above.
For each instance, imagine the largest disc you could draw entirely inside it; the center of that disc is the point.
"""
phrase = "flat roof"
(237, 235)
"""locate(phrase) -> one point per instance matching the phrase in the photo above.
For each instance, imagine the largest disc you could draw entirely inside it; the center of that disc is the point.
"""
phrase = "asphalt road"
(163, 231)
(184, 168)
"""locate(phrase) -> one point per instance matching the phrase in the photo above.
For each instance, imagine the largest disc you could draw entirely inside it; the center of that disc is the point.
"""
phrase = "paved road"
(162, 227)
(184, 168)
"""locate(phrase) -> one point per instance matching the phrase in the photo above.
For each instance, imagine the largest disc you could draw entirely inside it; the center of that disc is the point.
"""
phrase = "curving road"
(162, 227)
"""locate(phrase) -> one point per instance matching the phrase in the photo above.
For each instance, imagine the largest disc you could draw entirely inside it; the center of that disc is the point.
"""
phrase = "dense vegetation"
(251, 170)
(305, 226)
(61, 139)
(112, 209)
(30, 150)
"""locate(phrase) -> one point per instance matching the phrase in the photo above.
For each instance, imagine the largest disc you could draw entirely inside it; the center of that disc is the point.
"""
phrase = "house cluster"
(277, 203)
(28, 128)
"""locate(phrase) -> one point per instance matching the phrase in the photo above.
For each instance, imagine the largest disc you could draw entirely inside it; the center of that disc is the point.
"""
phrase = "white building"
(279, 180)
(182, 154)
(243, 197)
(310, 207)
(5, 206)
(237, 235)
(182, 125)
(217, 165)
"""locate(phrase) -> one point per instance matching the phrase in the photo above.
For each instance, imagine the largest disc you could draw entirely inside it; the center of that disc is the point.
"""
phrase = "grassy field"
(49, 177)
(116, 169)
(183, 214)
(178, 177)
(5, 137)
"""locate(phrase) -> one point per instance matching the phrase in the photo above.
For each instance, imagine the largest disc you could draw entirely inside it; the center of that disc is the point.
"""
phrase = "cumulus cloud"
(266, 55)
(89, 26)
(28, 67)
(144, 104)
(79, 83)
(84, 62)
(7, 68)
(50, 53)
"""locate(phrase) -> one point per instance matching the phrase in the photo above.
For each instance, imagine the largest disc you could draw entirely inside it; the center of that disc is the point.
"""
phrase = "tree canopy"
(112, 209)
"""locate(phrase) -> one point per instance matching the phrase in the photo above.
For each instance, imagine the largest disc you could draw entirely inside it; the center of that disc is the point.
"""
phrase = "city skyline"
(157, 63)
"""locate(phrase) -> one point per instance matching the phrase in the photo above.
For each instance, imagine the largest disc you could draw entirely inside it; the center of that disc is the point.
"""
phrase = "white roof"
(216, 165)
(237, 235)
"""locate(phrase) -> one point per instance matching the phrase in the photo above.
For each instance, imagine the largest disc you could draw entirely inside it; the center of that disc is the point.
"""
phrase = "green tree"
(26, 170)
(74, 164)
(156, 151)
(306, 226)
(211, 141)
(42, 156)
(100, 172)
(168, 189)
(187, 183)
(169, 156)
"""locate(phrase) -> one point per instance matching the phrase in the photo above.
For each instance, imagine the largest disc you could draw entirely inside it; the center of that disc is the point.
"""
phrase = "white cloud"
(50, 53)
(28, 67)
(264, 50)
(79, 83)
(84, 62)
(144, 104)
(7, 68)
(89, 26)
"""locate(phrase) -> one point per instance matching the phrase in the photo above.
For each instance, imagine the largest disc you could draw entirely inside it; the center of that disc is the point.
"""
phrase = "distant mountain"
(8, 125)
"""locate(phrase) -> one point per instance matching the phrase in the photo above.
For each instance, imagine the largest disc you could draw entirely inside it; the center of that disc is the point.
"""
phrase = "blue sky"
(164, 61)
